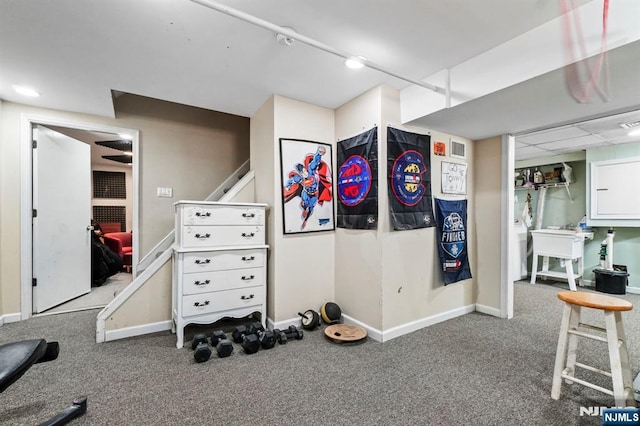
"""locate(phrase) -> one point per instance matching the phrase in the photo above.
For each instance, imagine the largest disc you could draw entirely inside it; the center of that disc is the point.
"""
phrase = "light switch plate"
(165, 192)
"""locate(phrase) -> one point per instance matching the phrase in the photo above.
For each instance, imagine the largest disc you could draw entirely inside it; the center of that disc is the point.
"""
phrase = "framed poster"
(454, 178)
(307, 188)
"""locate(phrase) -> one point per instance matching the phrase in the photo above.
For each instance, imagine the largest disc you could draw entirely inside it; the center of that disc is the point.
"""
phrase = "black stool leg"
(78, 408)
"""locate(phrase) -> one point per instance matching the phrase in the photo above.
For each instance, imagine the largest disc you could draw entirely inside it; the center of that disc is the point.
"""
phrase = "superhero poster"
(451, 218)
(307, 193)
(357, 181)
(409, 172)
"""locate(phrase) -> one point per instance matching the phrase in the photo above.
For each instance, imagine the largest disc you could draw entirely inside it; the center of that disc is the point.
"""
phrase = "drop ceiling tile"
(574, 143)
(533, 150)
(551, 135)
(609, 123)
(628, 139)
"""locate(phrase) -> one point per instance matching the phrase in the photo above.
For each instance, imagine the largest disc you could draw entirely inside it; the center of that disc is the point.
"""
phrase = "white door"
(61, 226)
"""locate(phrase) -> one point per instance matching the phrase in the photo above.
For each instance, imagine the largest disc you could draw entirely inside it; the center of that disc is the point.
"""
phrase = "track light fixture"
(288, 33)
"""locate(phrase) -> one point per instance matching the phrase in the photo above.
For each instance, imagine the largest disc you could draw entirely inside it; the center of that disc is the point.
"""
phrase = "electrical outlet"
(165, 192)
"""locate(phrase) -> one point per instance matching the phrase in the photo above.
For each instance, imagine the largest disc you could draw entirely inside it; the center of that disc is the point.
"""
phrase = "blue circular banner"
(354, 180)
(406, 180)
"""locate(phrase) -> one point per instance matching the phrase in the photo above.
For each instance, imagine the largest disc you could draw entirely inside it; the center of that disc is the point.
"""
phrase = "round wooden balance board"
(345, 333)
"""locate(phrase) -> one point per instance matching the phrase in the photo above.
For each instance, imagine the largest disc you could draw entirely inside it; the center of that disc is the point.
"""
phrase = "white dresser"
(219, 263)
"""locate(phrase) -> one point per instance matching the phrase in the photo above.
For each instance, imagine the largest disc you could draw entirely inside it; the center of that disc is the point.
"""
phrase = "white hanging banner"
(454, 178)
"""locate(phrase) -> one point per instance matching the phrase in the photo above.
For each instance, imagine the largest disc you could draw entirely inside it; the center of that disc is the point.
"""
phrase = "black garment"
(104, 262)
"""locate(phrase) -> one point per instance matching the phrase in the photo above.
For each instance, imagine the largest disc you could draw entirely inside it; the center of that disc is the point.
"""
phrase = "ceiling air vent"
(631, 125)
(458, 149)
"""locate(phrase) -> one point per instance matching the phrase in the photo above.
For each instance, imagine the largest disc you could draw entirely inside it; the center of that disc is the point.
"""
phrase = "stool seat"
(571, 329)
(595, 301)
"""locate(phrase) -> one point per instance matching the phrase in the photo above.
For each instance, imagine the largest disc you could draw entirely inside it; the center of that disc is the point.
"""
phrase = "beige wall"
(188, 149)
(412, 283)
(300, 265)
(358, 253)
(387, 278)
(2, 165)
(263, 163)
(487, 178)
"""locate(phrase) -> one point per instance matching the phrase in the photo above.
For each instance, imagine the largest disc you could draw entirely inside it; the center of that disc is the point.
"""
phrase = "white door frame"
(506, 220)
(26, 184)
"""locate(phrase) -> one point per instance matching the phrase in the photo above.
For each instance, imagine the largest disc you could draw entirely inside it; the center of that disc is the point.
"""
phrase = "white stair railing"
(216, 195)
(162, 252)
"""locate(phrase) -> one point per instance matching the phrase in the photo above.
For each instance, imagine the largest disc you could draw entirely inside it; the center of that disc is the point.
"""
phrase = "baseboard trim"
(633, 290)
(136, 330)
(409, 327)
(8, 318)
(373, 333)
(484, 309)
(283, 324)
(401, 330)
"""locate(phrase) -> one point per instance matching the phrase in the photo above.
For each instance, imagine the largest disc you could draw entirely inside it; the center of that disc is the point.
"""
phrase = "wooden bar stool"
(566, 364)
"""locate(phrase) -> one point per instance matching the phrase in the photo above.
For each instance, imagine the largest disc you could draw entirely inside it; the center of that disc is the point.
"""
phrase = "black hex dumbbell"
(256, 328)
(283, 336)
(267, 339)
(202, 351)
(250, 343)
(223, 346)
(293, 332)
(238, 333)
(280, 336)
(242, 330)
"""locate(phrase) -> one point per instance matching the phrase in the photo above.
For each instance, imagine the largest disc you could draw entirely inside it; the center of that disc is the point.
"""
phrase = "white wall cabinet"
(219, 263)
(614, 193)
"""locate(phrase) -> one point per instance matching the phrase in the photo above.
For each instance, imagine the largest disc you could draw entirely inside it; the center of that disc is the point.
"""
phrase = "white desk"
(565, 245)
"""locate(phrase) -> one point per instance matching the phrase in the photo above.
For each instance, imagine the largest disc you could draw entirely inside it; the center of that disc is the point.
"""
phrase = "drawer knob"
(250, 235)
(198, 282)
(207, 214)
(247, 297)
(250, 277)
(248, 215)
(202, 237)
(200, 262)
(205, 303)
(248, 258)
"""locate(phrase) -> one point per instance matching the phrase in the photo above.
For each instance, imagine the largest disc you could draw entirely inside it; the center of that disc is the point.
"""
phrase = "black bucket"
(612, 282)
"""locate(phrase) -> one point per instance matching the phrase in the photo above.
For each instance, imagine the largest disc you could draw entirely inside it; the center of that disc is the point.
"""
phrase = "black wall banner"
(451, 218)
(409, 171)
(358, 181)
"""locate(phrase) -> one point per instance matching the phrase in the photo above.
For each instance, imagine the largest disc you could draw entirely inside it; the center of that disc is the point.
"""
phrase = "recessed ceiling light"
(26, 91)
(635, 132)
(355, 63)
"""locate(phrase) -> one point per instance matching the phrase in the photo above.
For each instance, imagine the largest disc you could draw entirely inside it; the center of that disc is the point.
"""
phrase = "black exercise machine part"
(17, 357)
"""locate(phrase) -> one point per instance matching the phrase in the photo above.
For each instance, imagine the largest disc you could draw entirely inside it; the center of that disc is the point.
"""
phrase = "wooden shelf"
(535, 187)
(545, 185)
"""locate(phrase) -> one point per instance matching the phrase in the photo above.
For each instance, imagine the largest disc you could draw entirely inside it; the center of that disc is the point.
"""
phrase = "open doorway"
(110, 181)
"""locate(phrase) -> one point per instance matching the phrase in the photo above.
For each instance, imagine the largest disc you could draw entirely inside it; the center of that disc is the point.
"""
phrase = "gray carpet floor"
(471, 370)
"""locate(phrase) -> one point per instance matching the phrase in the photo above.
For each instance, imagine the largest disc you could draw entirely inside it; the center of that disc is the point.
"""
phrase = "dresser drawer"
(194, 214)
(201, 261)
(208, 236)
(198, 304)
(203, 282)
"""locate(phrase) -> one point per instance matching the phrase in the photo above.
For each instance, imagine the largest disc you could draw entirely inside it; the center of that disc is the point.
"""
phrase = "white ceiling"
(77, 52)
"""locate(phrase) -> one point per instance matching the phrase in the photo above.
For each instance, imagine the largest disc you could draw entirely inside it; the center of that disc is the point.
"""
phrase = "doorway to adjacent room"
(74, 175)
